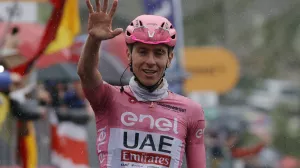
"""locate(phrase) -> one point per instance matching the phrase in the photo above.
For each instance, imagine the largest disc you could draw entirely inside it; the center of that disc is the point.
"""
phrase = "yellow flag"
(28, 149)
(4, 108)
(68, 28)
(31, 147)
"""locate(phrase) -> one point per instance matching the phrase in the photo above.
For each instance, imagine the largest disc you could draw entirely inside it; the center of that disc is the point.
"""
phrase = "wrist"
(93, 39)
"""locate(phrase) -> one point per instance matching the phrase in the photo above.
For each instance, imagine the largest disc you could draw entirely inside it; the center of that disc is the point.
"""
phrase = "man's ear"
(128, 54)
(170, 57)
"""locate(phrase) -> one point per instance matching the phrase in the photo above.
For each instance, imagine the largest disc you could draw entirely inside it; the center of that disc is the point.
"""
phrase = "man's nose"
(150, 59)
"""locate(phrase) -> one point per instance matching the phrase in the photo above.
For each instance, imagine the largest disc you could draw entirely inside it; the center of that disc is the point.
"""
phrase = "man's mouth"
(149, 72)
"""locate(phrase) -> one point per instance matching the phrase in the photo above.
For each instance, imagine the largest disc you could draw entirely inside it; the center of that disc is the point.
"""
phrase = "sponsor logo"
(151, 34)
(199, 133)
(145, 158)
(173, 108)
(130, 119)
(148, 148)
(100, 142)
(147, 143)
(124, 164)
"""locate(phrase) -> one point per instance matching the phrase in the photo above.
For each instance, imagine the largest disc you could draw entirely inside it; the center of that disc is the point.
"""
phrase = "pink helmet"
(151, 29)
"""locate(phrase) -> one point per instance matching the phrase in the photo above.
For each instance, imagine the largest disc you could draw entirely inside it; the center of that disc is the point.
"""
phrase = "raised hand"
(100, 22)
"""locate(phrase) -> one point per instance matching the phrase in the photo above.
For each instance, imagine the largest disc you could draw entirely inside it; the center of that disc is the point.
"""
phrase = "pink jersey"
(133, 134)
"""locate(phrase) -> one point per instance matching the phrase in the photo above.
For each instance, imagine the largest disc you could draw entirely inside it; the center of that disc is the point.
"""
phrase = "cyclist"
(143, 124)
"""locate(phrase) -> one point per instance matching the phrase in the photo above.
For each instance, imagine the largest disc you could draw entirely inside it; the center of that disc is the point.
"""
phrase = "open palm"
(100, 22)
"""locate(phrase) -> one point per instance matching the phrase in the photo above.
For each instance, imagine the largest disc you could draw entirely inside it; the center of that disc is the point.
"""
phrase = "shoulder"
(102, 87)
(194, 109)
(113, 88)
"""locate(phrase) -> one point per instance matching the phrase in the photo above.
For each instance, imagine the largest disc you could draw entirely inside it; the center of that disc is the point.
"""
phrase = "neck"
(142, 94)
(150, 88)
(143, 86)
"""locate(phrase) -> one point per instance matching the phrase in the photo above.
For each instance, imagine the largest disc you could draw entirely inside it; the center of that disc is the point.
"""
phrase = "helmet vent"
(162, 25)
(131, 24)
(128, 33)
(174, 36)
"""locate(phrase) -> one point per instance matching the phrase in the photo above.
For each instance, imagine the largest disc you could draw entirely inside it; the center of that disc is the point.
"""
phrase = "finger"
(89, 5)
(105, 5)
(98, 7)
(117, 31)
(113, 8)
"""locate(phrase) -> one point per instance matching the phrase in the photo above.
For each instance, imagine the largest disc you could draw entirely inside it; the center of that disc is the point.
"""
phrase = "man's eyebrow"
(141, 48)
(160, 49)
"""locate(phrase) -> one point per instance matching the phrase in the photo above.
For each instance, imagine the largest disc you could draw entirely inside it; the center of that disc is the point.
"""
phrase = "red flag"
(57, 3)
(48, 37)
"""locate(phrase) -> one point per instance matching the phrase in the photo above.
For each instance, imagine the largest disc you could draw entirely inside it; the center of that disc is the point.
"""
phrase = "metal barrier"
(43, 136)
(93, 158)
(8, 145)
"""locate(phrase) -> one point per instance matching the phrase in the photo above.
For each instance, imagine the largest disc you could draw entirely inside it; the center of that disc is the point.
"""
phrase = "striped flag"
(69, 144)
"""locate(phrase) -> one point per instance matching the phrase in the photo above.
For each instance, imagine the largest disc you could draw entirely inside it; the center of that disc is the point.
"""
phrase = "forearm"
(88, 64)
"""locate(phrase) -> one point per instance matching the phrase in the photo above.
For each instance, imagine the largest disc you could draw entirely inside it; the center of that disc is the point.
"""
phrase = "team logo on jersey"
(145, 158)
(173, 108)
(102, 136)
(162, 124)
(147, 147)
(141, 142)
(199, 133)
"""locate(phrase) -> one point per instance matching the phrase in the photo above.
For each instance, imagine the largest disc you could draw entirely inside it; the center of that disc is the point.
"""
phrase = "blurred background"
(238, 59)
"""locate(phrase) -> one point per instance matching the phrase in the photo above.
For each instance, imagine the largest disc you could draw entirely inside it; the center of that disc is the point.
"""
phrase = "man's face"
(149, 62)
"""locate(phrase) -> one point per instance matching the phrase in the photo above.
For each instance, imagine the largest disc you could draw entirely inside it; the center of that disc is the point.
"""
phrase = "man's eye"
(143, 52)
(159, 53)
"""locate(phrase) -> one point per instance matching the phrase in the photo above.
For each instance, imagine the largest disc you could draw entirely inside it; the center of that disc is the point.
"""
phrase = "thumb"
(117, 32)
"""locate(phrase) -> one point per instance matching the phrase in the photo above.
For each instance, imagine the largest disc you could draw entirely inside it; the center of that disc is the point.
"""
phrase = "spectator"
(57, 92)
(7, 80)
(43, 95)
(12, 39)
(74, 97)
(11, 43)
